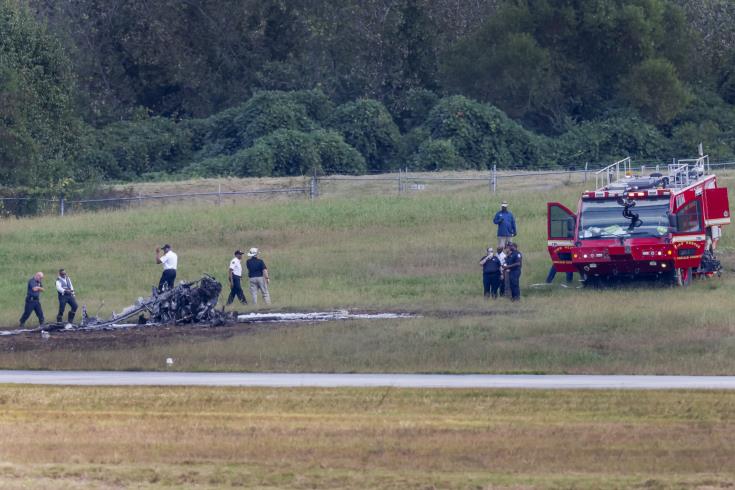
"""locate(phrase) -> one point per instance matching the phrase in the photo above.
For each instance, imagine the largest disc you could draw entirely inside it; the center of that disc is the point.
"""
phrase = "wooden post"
(495, 179)
(61, 205)
(219, 194)
(586, 164)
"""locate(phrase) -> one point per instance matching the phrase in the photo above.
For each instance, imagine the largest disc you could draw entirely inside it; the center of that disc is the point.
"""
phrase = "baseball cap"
(504, 204)
(238, 252)
(166, 246)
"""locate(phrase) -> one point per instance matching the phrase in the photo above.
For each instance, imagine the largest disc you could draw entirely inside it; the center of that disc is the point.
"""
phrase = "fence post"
(586, 164)
(400, 184)
(314, 187)
(219, 194)
(494, 179)
(61, 205)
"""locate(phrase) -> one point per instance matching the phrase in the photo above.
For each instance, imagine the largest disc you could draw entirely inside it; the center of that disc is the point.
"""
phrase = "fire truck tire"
(684, 276)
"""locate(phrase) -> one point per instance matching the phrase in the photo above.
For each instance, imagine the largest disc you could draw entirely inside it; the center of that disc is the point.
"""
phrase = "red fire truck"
(631, 225)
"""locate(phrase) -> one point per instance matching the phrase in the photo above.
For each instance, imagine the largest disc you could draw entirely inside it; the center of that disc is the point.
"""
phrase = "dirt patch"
(131, 337)
(137, 336)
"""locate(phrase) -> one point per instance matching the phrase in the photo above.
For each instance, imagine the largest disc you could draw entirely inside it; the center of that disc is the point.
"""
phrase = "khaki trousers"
(259, 283)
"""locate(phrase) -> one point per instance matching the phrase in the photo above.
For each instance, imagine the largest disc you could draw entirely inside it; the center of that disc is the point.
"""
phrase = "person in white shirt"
(66, 297)
(170, 261)
(235, 276)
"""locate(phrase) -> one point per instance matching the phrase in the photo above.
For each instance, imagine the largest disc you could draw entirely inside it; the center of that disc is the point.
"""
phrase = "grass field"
(416, 252)
(57, 437)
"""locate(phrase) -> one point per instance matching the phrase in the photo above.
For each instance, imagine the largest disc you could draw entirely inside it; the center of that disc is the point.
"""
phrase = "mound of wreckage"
(192, 303)
(189, 302)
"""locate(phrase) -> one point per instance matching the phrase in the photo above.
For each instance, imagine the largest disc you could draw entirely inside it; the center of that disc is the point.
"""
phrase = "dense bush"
(611, 139)
(368, 127)
(483, 135)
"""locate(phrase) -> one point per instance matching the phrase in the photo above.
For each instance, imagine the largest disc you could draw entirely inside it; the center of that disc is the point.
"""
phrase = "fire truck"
(659, 225)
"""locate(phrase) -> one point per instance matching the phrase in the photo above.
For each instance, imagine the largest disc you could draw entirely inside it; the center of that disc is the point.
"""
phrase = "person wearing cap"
(506, 224)
(65, 290)
(258, 275)
(235, 275)
(33, 299)
(170, 261)
(513, 265)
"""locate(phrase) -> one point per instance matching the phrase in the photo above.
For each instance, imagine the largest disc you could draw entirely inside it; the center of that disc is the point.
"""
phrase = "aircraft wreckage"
(192, 303)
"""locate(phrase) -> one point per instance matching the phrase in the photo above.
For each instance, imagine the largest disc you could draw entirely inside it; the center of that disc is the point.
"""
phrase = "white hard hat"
(253, 252)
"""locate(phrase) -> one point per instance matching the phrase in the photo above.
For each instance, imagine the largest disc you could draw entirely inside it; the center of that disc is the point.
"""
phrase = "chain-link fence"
(403, 181)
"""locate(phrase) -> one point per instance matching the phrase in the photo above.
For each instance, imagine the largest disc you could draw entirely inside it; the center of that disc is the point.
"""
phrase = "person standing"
(33, 299)
(513, 265)
(66, 297)
(170, 261)
(235, 276)
(490, 273)
(258, 275)
(503, 253)
(552, 274)
(506, 224)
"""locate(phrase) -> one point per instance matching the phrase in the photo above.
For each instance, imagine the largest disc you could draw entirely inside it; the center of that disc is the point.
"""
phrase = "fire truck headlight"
(585, 256)
(659, 252)
(663, 266)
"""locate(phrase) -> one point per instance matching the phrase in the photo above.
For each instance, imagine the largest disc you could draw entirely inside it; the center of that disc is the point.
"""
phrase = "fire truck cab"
(633, 226)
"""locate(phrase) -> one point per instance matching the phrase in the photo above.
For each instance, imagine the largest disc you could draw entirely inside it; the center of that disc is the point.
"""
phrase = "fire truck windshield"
(604, 219)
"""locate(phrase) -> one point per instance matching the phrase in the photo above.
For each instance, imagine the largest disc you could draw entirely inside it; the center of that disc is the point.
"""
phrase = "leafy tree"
(654, 89)
(38, 129)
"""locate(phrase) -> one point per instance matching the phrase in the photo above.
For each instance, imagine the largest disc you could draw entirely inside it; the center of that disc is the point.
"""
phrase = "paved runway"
(546, 382)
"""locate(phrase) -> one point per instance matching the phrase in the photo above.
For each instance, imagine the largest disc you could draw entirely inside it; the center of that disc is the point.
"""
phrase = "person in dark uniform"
(513, 265)
(170, 261)
(490, 273)
(66, 297)
(235, 275)
(33, 299)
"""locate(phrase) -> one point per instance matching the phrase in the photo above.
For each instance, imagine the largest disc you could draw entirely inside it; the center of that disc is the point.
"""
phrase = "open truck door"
(716, 207)
(561, 224)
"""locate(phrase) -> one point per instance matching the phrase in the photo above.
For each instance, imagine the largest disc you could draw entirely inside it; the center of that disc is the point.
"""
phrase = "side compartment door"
(560, 226)
(716, 206)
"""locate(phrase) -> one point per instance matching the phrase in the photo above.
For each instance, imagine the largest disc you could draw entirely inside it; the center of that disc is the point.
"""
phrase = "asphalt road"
(546, 382)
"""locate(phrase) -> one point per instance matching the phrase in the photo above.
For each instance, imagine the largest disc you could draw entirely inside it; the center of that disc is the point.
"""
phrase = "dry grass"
(328, 438)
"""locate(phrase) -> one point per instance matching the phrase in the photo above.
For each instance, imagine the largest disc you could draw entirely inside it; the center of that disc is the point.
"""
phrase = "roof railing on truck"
(687, 171)
(612, 173)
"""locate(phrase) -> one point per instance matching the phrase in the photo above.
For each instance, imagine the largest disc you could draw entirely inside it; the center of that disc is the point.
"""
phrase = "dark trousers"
(33, 305)
(491, 283)
(66, 299)
(236, 290)
(552, 275)
(168, 277)
(514, 277)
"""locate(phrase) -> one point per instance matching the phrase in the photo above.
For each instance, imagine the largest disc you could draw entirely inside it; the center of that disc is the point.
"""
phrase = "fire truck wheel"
(684, 276)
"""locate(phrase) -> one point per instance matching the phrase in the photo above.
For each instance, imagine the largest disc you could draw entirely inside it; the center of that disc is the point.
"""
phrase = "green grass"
(416, 252)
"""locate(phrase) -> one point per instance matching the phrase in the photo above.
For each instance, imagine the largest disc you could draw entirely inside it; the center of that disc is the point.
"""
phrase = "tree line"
(103, 90)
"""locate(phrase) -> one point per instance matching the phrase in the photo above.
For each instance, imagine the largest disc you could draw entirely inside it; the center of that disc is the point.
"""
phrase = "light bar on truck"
(636, 194)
